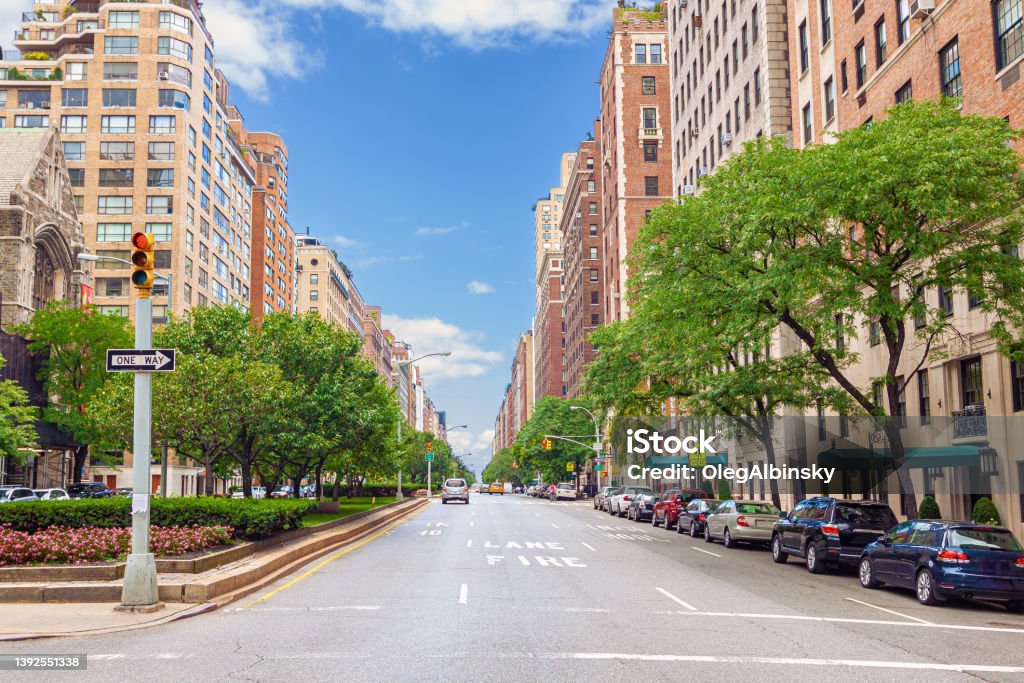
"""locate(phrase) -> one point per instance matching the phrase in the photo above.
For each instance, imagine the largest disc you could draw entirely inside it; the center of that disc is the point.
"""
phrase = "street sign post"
(430, 457)
(141, 360)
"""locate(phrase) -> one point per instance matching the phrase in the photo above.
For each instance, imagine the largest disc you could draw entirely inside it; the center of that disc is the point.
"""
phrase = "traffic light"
(430, 447)
(545, 444)
(142, 262)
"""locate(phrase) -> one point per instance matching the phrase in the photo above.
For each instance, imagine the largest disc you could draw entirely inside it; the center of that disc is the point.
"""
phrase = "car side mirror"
(883, 539)
(783, 514)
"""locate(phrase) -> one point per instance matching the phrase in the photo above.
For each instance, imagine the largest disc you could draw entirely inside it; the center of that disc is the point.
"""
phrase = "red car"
(671, 505)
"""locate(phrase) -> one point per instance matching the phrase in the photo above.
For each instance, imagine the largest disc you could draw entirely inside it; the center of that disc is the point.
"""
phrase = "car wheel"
(444, 502)
(679, 527)
(779, 555)
(866, 573)
(727, 539)
(654, 520)
(1015, 606)
(693, 530)
(924, 586)
(815, 563)
(707, 535)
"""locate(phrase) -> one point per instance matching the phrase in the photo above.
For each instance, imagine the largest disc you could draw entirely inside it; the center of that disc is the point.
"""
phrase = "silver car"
(52, 494)
(455, 489)
(601, 499)
(620, 498)
(749, 521)
(16, 494)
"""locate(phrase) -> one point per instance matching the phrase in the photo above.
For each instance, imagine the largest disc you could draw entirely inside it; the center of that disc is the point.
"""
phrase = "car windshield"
(455, 482)
(565, 486)
(5, 493)
(879, 516)
(638, 491)
(983, 539)
(756, 509)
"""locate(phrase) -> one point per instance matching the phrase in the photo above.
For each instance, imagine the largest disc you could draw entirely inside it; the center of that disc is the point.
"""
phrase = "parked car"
(939, 560)
(671, 505)
(124, 492)
(89, 489)
(828, 532)
(749, 521)
(17, 494)
(601, 499)
(455, 489)
(258, 492)
(620, 499)
(52, 494)
(564, 491)
(283, 492)
(496, 487)
(641, 508)
(691, 520)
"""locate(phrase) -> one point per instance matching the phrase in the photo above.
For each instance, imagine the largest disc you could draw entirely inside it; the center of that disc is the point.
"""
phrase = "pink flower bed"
(58, 545)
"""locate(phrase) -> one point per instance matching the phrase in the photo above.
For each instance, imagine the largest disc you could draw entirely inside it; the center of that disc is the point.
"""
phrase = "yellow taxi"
(496, 487)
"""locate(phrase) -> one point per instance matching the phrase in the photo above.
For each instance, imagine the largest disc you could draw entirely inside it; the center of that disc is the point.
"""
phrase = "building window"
(651, 186)
(69, 97)
(641, 54)
(162, 125)
(1017, 385)
(166, 71)
(903, 19)
(593, 253)
(650, 118)
(648, 85)
(757, 88)
(591, 186)
(161, 151)
(755, 24)
(808, 125)
(843, 80)
(655, 54)
(314, 279)
(1009, 31)
(919, 317)
(949, 68)
(160, 205)
(650, 151)
(593, 274)
(840, 335)
(881, 45)
(971, 382)
(113, 232)
(121, 45)
(117, 124)
(821, 422)
(73, 124)
(176, 22)
(160, 177)
(74, 151)
(77, 176)
(924, 405)
(76, 71)
(118, 97)
(117, 177)
(946, 301)
(905, 93)
(117, 151)
(900, 412)
(123, 20)
(874, 332)
(862, 64)
(120, 71)
(161, 231)
(174, 98)
(114, 205)
(830, 99)
(805, 54)
(166, 45)
(825, 13)
(592, 208)
(595, 298)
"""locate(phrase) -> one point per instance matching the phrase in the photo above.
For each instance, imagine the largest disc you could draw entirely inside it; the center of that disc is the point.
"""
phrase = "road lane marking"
(589, 547)
(358, 608)
(469, 543)
(791, 661)
(675, 599)
(556, 526)
(599, 610)
(332, 558)
(848, 620)
(463, 594)
(898, 614)
(701, 550)
(472, 523)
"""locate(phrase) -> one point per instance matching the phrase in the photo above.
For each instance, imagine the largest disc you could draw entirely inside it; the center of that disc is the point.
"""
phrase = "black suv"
(828, 532)
(89, 489)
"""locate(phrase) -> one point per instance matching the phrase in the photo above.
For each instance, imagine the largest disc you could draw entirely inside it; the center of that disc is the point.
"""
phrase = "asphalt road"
(514, 589)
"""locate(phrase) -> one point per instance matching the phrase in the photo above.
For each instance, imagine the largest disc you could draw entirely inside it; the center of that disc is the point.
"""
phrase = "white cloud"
(477, 287)
(479, 23)
(254, 42)
(371, 261)
(345, 242)
(433, 335)
(479, 444)
(433, 232)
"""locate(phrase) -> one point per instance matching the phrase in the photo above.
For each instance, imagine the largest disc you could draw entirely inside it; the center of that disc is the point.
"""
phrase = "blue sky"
(420, 134)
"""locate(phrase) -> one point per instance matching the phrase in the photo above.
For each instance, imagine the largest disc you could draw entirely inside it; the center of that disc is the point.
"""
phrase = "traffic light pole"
(140, 586)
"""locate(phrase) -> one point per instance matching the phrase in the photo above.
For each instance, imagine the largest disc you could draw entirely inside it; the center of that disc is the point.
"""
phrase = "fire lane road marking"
(847, 620)
(883, 609)
(676, 600)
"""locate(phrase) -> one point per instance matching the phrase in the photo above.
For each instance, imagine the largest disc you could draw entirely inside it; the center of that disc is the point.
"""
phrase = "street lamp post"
(597, 432)
(398, 493)
(169, 279)
(431, 462)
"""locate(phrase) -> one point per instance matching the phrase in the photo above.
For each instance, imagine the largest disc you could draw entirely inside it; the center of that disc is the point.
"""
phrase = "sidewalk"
(24, 621)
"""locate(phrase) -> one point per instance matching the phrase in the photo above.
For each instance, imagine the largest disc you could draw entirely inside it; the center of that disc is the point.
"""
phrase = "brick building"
(581, 242)
(40, 236)
(730, 82)
(636, 135)
(549, 328)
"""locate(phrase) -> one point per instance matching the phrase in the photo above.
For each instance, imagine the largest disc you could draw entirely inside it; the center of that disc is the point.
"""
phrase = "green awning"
(928, 456)
(663, 461)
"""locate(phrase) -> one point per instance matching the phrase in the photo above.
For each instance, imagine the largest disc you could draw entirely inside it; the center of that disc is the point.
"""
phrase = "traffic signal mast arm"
(580, 443)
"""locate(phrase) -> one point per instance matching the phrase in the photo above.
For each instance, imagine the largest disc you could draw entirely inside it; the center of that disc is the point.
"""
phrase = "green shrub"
(724, 492)
(985, 512)
(250, 519)
(929, 509)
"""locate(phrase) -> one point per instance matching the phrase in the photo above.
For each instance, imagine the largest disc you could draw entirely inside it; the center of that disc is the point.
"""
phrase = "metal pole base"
(398, 494)
(140, 588)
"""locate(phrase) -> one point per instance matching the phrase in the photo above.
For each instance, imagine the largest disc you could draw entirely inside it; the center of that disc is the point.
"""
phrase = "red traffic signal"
(430, 447)
(143, 261)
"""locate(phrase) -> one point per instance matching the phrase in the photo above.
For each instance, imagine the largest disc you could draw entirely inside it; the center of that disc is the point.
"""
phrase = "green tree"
(73, 343)
(823, 241)
(17, 420)
(554, 416)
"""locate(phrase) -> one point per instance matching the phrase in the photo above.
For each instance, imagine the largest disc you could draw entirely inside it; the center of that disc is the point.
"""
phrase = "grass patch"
(346, 507)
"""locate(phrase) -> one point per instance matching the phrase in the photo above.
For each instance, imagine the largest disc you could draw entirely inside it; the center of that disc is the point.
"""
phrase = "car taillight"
(741, 521)
(830, 530)
(701, 517)
(1020, 563)
(952, 556)
(625, 498)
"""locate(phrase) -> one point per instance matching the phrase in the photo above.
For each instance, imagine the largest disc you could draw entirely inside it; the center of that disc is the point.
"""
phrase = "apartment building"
(324, 285)
(547, 213)
(549, 328)
(518, 401)
(378, 343)
(273, 242)
(581, 240)
(636, 140)
(142, 111)
(729, 82)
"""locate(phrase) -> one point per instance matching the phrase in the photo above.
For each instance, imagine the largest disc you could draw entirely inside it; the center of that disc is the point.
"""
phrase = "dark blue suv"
(944, 559)
(828, 532)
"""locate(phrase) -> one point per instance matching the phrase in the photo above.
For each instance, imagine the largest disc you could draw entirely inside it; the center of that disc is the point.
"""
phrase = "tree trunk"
(908, 501)
(773, 483)
(208, 480)
(246, 467)
(318, 486)
(81, 453)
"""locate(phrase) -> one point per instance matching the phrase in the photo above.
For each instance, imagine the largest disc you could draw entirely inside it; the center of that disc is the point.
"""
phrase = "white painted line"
(675, 599)
(537, 514)
(555, 525)
(898, 614)
(469, 543)
(311, 609)
(463, 594)
(706, 552)
(523, 561)
(791, 661)
(472, 523)
(589, 547)
(599, 610)
(848, 620)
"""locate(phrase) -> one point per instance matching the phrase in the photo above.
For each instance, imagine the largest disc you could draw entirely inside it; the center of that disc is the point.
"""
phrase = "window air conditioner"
(163, 76)
(919, 9)
(688, 189)
(702, 171)
(684, 3)
(726, 138)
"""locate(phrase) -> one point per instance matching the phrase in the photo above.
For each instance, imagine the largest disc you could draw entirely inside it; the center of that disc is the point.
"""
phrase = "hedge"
(250, 519)
(929, 509)
(985, 512)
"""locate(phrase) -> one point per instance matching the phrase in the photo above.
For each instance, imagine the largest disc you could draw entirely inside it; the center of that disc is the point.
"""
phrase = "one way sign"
(140, 360)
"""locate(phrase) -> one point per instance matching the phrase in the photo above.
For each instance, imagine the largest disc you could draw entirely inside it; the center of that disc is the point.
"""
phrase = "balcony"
(651, 134)
(970, 422)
